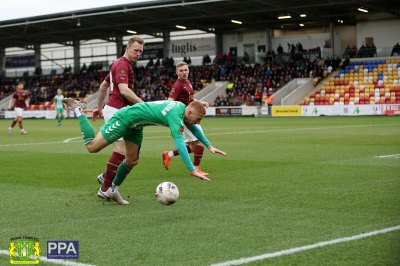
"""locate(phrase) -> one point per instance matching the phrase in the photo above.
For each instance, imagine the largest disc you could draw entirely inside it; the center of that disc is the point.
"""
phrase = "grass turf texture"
(287, 182)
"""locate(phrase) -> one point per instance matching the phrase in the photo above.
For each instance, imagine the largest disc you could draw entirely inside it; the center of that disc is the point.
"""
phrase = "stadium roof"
(208, 15)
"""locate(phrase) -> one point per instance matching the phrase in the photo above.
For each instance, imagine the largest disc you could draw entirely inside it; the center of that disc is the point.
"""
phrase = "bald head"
(194, 113)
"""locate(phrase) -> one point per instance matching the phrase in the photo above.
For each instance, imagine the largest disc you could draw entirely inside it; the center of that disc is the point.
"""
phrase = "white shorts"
(18, 111)
(108, 112)
(188, 135)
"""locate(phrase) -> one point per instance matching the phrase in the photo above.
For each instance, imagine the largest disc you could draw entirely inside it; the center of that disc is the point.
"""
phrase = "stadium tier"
(370, 82)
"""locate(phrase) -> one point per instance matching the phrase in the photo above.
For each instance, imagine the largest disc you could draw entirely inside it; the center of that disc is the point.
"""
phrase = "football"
(167, 193)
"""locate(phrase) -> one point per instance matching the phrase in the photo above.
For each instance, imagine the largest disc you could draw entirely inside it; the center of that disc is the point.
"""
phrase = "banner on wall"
(228, 111)
(192, 47)
(152, 51)
(286, 110)
(20, 61)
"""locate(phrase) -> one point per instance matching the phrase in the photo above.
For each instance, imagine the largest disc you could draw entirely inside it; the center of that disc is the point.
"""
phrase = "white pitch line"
(388, 156)
(68, 140)
(59, 262)
(304, 248)
(216, 134)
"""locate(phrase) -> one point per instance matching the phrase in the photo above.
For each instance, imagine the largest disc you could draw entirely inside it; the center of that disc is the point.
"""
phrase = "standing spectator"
(19, 101)
(270, 102)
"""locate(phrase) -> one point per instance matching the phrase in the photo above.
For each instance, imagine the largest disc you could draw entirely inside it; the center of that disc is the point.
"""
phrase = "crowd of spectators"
(248, 84)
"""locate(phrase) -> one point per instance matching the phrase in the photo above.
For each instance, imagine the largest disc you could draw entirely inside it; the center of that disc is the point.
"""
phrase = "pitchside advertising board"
(337, 110)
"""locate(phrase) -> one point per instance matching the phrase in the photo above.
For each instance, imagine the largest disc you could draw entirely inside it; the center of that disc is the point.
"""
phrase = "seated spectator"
(396, 49)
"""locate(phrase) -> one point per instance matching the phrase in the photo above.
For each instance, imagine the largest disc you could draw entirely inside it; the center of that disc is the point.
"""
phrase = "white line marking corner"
(304, 248)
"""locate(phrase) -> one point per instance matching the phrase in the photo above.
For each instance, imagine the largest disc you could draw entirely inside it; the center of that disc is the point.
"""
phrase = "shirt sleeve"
(196, 130)
(107, 79)
(181, 147)
(176, 90)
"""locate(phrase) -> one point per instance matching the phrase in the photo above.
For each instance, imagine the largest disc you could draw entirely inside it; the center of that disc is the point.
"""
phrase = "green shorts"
(115, 129)
(60, 110)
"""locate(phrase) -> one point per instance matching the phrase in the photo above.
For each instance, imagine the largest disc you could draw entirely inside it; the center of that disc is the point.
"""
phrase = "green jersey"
(128, 121)
(58, 101)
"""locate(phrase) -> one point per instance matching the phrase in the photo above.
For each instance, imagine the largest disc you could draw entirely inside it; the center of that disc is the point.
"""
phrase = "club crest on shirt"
(181, 130)
(122, 72)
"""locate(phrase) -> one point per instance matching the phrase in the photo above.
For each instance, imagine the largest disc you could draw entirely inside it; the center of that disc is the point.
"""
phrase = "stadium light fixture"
(363, 9)
(285, 17)
(301, 25)
(131, 31)
(181, 27)
(340, 21)
(236, 21)
(303, 15)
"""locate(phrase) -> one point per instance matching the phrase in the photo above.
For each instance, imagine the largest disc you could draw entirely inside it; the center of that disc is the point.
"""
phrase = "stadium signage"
(63, 249)
(192, 47)
(228, 111)
(286, 111)
(152, 51)
(20, 61)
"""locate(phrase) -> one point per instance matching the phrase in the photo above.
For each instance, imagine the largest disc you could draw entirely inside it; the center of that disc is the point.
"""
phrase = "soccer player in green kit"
(128, 123)
(59, 106)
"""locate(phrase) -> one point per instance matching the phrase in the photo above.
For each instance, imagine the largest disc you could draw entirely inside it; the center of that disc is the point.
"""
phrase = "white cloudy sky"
(12, 9)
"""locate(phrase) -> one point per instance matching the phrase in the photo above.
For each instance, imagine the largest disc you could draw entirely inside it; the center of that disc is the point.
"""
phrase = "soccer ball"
(167, 193)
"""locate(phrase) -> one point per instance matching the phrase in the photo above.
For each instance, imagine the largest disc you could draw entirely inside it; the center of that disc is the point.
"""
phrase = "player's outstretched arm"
(196, 173)
(215, 150)
(184, 155)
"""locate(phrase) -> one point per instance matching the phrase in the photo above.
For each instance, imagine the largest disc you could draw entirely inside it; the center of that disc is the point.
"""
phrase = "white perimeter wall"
(386, 33)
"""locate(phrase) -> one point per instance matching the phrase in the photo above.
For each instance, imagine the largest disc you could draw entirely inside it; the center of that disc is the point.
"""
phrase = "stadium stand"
(368, 82)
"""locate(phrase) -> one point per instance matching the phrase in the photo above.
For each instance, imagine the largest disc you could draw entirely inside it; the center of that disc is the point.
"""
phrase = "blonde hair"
(197, 106)
(180, 64)
(134, 39)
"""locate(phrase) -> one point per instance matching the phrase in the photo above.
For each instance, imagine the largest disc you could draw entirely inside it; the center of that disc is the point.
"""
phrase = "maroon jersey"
(20, 98)
(182, 91)
(121, 72)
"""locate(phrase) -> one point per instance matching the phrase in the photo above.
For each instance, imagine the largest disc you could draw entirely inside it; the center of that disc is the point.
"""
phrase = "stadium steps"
(4, 103)
(210, 93)
(320, 85)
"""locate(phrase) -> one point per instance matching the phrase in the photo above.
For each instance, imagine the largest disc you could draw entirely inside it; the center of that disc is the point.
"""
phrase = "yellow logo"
(24, 250)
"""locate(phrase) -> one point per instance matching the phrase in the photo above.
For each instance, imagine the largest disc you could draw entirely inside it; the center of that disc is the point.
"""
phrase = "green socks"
(122, 171)
(87, 129)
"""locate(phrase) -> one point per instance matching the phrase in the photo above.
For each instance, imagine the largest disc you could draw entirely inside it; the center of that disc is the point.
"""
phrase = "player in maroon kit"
(182, 91)
(19, 101)
(120, 84)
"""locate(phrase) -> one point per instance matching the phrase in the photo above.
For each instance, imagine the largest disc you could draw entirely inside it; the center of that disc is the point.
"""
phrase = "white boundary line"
(389, 156)
(211, 134)
(60, 262)
(304, 248)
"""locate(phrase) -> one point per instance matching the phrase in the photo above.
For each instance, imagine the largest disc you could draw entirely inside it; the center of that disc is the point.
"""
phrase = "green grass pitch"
(286, 182)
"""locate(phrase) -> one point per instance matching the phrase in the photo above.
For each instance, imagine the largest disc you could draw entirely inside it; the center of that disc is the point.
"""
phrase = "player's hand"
(215, 150)
(196, 173)
(97, 113)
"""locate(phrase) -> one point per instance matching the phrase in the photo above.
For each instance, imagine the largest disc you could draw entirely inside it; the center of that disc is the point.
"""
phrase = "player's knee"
(131, 162)
(92, 148)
